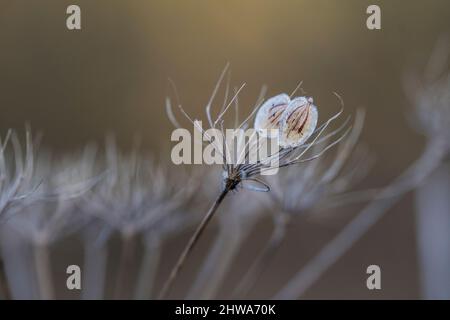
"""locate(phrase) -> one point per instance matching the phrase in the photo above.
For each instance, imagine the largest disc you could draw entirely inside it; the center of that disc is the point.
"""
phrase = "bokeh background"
(112, 77)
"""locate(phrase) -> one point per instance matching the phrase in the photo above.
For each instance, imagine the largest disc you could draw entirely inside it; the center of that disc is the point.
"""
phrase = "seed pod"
(270, 114)
(298, 122)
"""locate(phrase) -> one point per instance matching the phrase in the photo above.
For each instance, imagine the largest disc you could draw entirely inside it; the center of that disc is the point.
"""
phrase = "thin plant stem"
(433, 234)
(358, 226)
(126, 260)
(147, 272)
(95, 259)
(262, 261)
(18, 264)
(192, 241)
(43, 270)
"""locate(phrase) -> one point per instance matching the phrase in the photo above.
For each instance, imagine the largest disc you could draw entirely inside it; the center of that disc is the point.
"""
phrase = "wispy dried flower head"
(52, 210)
(136, 192)
(17, 179)
(297, 124)
(296, 121)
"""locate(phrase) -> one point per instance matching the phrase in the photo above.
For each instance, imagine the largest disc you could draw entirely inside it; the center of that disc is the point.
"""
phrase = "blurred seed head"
(18, 183)
(51, 210)
(138, 193)
(429, 94)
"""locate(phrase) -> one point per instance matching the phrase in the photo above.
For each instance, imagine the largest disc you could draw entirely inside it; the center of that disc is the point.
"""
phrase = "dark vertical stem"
(95, 260)
(192, 241)
(126, 260)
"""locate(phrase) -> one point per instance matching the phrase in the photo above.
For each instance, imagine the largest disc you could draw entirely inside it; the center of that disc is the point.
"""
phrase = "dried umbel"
(140, 198)
(297, 120)
(52, 212)
(29, 177)
(18, 182)
(42, 215)
(136, 192)
(36, 190)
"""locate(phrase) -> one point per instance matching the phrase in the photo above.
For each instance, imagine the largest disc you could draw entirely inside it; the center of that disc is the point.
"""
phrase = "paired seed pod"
(295, 119)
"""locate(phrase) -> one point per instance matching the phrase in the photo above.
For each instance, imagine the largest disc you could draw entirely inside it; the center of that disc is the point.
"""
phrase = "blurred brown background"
(111, 76)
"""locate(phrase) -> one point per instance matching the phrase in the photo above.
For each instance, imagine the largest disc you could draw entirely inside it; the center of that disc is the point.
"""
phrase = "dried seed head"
(298, 122)
(270, 114)
(296, 119)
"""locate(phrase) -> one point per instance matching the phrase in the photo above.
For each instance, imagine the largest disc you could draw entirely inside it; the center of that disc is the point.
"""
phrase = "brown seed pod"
(298, 122)
(270, 114)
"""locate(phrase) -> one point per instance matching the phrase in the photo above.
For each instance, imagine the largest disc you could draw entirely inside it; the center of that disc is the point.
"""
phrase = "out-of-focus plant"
(323, 183)
(42, 214)
(430, 99)
(17, 181)
(137, 197)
